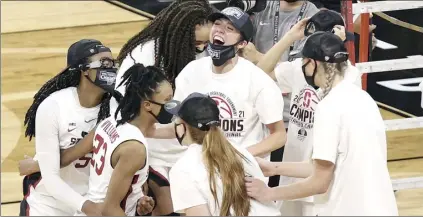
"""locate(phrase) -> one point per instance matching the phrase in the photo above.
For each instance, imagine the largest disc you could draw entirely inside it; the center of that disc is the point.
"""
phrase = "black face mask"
(180, 139)
(105, 78)
(221, 53)
(163, 117)
(310, 79)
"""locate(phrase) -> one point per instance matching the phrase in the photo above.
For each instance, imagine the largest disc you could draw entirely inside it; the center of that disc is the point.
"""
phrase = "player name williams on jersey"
(110, 130)
(232, 119)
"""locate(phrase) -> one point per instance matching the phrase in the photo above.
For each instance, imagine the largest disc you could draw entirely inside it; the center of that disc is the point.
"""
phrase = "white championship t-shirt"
(190, 186)
(247, 98)
(60, 123)
(290, 79)
(106, 139)
(350, 132)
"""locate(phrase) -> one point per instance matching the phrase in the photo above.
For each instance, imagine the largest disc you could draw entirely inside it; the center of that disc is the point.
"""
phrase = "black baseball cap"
(82, 49)
(325, 47)
(239, 18)
(325, 20)
(198, 110)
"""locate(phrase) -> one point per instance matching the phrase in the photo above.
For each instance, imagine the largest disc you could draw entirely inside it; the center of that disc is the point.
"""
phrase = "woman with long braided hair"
(348, 164)
(171, 40)
(64, 110)
(175, 37)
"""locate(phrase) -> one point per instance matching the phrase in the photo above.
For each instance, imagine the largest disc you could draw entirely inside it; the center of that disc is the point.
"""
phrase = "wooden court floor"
(29, 59)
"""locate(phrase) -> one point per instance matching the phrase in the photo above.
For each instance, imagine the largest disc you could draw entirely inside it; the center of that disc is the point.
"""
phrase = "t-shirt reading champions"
(247, 98)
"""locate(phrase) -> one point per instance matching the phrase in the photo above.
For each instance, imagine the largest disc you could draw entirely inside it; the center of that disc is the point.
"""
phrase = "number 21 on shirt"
(99, 154)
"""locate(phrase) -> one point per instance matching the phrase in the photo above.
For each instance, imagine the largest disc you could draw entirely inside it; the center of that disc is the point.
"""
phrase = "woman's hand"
(257, 189)
(92, 209)
(251, 53)
(145, 205)
(340, 32)
(28, 166)
(297, 31)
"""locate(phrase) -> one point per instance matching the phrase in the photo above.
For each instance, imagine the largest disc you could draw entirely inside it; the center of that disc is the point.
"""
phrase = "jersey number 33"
(99, 154)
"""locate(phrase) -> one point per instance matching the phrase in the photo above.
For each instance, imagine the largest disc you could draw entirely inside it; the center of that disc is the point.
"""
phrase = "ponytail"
(331, 69)
(222, 158)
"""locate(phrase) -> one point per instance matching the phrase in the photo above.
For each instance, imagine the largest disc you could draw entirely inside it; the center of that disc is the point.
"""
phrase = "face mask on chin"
(220, 54)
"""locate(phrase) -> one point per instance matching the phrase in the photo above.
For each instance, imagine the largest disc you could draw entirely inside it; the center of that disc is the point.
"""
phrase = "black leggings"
(277, 156)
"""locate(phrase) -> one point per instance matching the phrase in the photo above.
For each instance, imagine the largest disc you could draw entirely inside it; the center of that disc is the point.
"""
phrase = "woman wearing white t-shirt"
(209, 178)
(250, 103)
(304, 100)
(349, 174)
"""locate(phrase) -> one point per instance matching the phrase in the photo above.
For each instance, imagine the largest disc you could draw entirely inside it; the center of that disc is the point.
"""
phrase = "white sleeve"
(48, 155)
(143, 54)
(182, 85)
(269, 102)
(284, 73)
(184, 192)
(179, 85)
(326, 133)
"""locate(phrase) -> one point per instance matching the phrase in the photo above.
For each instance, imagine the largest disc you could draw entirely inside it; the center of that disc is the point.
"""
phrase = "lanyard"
(276, 23)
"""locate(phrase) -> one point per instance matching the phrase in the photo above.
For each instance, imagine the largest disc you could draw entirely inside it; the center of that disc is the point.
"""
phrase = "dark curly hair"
(141, 83)
(173, 31)
(68, 78)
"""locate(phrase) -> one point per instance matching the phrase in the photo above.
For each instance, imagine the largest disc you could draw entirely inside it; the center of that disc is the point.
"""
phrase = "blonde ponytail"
(331, 69)
(224, 161)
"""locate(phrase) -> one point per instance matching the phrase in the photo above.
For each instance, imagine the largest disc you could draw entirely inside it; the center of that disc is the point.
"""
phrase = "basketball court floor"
(35, 36)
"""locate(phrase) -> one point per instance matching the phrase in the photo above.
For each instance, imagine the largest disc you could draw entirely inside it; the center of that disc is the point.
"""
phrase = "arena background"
(35, 36)
(409, 42)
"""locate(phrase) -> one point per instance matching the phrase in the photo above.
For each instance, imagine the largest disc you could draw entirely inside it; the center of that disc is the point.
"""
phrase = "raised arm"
(269, 61)
(127, 159)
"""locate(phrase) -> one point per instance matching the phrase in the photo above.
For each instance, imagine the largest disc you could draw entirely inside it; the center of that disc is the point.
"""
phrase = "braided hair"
(331, 69)
(141, 83)
(173, 31)
(68, 78)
